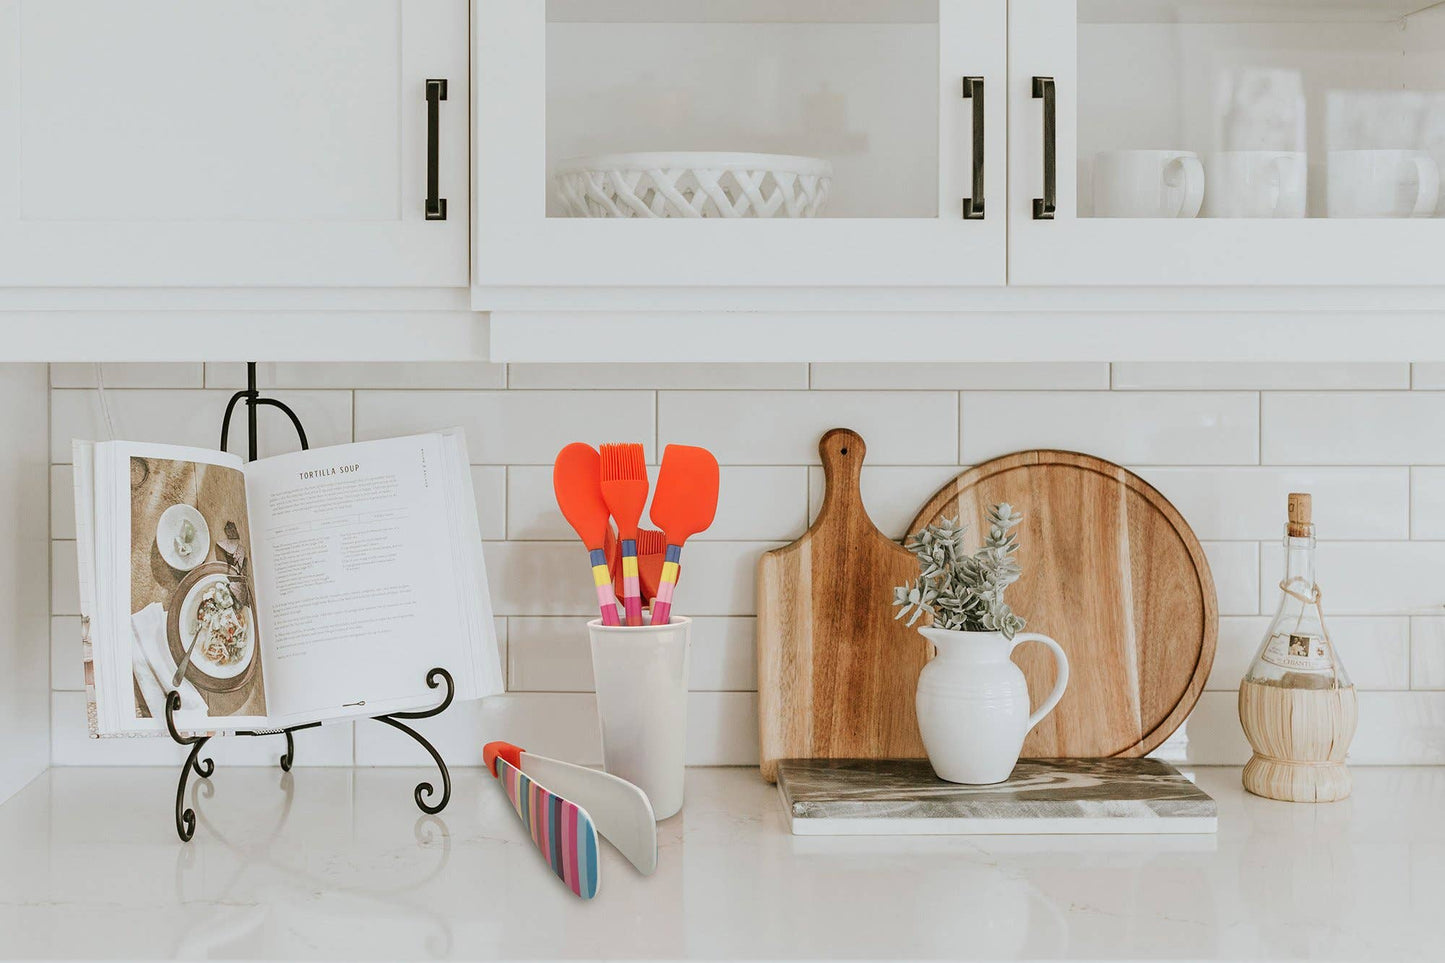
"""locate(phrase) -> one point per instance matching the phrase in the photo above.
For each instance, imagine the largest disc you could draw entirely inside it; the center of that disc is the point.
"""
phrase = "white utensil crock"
(641, 675)
(973, 704)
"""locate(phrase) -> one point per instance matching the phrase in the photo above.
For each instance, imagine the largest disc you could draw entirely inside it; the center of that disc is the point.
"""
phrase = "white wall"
(1225, 442)
(24, 655)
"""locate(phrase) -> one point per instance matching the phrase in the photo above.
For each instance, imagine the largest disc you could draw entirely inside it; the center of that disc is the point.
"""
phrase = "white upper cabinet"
(889, 116)
(1232, 142)
(232, 143)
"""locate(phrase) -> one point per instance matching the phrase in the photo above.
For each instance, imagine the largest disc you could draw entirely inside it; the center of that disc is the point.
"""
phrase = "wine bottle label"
(1302, 652)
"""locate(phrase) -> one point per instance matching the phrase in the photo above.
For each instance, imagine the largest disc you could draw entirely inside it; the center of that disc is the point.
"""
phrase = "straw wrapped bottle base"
(1300, 738)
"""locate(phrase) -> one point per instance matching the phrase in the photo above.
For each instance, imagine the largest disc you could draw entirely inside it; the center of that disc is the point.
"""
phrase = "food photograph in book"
(193, 619)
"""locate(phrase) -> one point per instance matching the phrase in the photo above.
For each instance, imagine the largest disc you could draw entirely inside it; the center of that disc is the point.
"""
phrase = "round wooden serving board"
(1115, 575)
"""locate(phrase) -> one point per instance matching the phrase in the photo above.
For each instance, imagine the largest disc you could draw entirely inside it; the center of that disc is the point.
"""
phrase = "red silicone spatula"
(685, 503)
(624, 489)
(577, 480)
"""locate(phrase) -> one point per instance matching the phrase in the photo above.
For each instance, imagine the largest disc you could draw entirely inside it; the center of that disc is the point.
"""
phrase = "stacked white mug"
(1255, 183)
(1383, 183)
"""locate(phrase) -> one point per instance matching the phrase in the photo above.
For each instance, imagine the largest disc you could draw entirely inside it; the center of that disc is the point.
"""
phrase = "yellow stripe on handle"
(669, 571)
(600, 575)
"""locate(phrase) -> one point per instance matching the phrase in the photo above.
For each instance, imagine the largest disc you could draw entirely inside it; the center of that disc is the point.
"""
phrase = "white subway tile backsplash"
(1428, 375)
(194, 418)
(1367, 578)
(62, 502)
(719, 578)
(753, 503)
(489, 487)
(1375, 650)
(539, 578)
(554, 655)
(511, 427)
(1217, 376)
(784, 428)
(548, 655)
(1155, 428)
(760, 503)
(1235, 568)
(892, 496)
(66, 669)
(1427, 503)
(1353, 428)
(659, 376)
(1400, 729)
(961, 376)
(64, 579)
(1367, 452)
(722, 729)
(434, 374)
(128, 375)
(1427, 652)
(1249, 503)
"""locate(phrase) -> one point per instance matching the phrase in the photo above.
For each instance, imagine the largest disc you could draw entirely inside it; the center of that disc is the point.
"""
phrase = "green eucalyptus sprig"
(964, 592)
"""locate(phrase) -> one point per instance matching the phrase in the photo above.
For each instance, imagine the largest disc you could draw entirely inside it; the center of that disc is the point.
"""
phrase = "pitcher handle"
(1060, 683)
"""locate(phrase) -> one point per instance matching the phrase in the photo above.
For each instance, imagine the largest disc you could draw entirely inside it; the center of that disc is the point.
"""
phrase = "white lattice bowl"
(694, 184)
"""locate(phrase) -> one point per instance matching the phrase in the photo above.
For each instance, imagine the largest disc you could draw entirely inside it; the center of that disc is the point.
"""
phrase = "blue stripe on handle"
(597, 557)
(674, 553)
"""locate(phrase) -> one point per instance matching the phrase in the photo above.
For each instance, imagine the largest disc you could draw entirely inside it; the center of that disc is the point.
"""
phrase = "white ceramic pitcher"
(973, 703)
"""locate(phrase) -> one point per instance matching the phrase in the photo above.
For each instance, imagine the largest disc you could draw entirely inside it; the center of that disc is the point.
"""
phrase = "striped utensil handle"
(602, 578)
(562, 830)
(662, 605)
(631, 582)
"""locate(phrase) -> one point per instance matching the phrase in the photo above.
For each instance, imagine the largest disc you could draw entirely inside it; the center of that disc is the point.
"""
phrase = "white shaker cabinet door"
(175, 143)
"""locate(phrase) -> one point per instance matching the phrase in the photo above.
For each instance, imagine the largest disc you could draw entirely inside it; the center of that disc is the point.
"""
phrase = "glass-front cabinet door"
(827, 144)
(1250, 142)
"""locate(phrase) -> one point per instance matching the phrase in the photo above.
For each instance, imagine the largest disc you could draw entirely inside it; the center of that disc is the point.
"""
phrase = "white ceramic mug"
(1147, 183)
(1382, 183)
(1255, 183)
(641, 676)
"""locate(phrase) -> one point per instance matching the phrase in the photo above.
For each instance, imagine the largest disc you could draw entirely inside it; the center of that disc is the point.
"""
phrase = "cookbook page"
(181, 582)
(354, 561)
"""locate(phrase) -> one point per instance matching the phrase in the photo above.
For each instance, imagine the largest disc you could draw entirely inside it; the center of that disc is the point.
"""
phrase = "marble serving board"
(887, 797)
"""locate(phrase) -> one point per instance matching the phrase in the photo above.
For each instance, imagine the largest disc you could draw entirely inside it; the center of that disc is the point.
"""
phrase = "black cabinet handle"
(973, 206)
(1044, 207)
(436, 207)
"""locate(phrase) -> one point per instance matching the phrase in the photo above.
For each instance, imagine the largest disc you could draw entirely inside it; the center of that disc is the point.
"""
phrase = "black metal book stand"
(186, 817)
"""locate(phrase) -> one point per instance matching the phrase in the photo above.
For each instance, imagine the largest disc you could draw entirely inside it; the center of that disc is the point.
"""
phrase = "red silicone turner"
(577, 480)
(684, 504)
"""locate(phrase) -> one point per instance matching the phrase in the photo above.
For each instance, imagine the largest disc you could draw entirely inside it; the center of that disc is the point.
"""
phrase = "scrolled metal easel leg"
(290, 755)
(426, 789)
(186, 818)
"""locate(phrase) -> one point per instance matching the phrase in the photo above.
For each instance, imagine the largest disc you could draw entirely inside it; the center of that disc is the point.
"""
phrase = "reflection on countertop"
(338, 864)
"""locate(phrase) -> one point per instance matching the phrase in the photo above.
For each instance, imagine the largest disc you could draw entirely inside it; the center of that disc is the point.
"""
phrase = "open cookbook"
(302, 588)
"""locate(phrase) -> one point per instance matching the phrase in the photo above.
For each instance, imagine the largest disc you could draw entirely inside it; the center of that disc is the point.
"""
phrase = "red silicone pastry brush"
(624, 489)
(685, 503)
(577, 480)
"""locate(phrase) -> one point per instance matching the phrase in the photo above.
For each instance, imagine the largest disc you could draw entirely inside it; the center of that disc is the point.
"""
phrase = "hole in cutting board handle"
(843, 450)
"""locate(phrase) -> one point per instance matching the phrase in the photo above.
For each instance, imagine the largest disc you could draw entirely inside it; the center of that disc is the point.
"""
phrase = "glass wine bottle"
(1296, 703)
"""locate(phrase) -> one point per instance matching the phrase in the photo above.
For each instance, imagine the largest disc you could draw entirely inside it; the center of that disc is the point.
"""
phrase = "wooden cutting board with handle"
(1112, 572)
(836, 673)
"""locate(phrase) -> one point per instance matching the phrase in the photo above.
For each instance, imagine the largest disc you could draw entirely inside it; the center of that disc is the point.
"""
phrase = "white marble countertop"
(338, 864)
